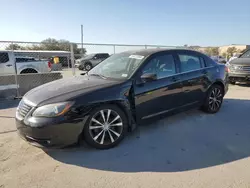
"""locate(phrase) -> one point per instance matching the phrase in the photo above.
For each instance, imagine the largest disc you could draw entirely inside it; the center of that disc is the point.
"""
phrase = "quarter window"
(4, 57)
(103, 55)
(163, 66)
(190, 63)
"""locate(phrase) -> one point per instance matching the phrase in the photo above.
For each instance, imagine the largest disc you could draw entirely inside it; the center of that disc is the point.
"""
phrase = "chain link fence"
(26, 65)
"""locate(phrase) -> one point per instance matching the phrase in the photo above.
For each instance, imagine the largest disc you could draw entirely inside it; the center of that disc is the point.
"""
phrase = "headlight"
(52, 110)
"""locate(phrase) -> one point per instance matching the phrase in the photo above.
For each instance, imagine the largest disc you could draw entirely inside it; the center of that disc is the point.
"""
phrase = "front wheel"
(88, 66)
(232, 82)
(105, 127)
(213, 100)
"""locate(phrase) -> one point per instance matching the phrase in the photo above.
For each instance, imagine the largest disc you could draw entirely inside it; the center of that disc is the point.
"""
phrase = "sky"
(157, 22)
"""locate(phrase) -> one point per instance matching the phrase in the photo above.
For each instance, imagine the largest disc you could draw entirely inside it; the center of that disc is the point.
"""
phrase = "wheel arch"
(27, 70)
(220, 83)
(121, 104)
(125, 107)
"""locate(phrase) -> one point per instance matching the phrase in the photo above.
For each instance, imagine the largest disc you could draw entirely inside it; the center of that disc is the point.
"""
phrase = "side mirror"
(83, 73)
(148, 77)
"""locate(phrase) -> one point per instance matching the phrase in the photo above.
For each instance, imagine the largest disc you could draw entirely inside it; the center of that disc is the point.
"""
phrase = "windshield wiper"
(99, 75)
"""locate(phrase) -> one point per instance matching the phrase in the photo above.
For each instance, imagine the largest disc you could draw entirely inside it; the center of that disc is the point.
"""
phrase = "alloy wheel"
(87, 67)
(215, 99)
(106, 127)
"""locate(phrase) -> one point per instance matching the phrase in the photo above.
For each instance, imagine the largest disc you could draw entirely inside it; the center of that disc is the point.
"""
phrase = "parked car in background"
(119, 93)
(235, 55)
(239, 68)
(63, 60)
(91, 60)
(219, 59)
(23, 65)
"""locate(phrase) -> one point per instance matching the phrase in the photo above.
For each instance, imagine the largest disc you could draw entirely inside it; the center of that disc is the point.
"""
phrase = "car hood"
(65, 89)
(240, 61)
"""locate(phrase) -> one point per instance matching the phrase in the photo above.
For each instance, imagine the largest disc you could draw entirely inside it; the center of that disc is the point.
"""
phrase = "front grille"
(23, 109)
(240, 68)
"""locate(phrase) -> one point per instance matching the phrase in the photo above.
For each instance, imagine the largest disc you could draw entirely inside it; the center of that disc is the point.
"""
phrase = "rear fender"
(23, 67)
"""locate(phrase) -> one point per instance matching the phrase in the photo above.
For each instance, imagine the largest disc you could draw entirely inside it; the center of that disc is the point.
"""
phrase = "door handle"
(8, 65)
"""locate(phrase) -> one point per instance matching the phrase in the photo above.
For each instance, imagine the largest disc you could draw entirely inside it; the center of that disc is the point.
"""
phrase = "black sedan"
(118, 94)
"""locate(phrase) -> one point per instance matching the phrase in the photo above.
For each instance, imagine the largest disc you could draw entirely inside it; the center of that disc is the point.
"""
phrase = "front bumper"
(49, 132)
(239, 77)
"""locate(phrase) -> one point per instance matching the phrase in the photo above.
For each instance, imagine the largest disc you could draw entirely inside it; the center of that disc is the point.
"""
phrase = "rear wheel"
(105, 127)
(214, 99)
(232, 82)
(27, 71)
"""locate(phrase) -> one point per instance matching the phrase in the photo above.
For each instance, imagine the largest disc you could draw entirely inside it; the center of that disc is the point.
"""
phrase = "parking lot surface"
(191, 149)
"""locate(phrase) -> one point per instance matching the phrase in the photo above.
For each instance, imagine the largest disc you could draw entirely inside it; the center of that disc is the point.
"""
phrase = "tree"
(212, 51)
(49, 44)
(231, 51)
(224, 55)
(197, 48)
(215, 51)
(14, 47)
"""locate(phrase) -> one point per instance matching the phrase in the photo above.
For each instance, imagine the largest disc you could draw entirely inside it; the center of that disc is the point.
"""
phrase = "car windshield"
(246, 54)
(118, 66)
(88, 56)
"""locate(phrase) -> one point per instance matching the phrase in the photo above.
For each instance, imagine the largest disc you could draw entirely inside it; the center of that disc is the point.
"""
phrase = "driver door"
(161, 95)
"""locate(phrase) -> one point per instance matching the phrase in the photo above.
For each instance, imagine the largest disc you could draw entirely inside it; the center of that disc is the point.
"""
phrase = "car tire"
(232, 82)
(88, 66)
(80, 67)
(105, 127)
(213, 99)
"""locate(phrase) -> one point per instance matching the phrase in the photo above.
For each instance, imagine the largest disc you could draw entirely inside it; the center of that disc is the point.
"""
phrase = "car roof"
(148, 52)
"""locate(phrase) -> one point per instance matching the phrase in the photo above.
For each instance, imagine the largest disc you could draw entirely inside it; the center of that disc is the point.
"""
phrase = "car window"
(246, 54)
(118, 66)
(4, 57)
(24, 59)
(103, 55)
(97, 56)
(189, 62)
(163, 66)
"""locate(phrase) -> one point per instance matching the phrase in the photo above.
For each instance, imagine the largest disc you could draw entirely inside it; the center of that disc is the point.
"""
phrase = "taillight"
(49, 64)
(227, 69)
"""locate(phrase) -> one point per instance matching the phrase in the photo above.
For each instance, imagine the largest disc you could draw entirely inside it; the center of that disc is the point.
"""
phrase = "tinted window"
(189, 63)
(4, 57)
(210, 62)
(24, 59)
(162, 66)
(246, 54)
(103, 55)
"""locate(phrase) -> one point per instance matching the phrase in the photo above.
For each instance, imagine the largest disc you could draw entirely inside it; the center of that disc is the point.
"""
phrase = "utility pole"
(82, 39)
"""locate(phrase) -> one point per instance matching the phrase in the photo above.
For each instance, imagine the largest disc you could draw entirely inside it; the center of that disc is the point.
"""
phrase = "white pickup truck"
(23, 65)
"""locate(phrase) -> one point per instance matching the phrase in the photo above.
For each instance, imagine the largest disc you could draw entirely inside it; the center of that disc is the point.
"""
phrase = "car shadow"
(186, 141)
(6, 104)
(243, 84)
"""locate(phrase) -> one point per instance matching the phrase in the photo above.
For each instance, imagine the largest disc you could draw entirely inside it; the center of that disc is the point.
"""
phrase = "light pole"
(82, 40)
